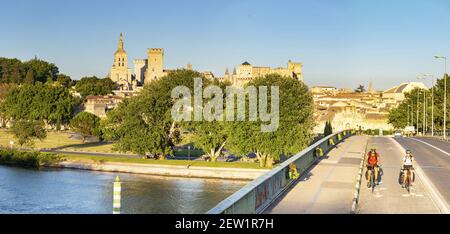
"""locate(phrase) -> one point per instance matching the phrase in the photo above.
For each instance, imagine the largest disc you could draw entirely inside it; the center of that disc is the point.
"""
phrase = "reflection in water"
(74, 191)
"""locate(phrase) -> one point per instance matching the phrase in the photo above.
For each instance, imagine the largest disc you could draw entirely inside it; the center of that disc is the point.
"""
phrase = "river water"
(87, 192)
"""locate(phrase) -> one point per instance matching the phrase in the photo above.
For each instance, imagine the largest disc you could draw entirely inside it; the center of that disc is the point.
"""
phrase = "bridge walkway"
(329, 186)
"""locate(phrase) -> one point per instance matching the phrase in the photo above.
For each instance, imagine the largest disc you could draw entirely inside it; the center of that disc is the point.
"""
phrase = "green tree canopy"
(210, 136)
(144, 124)
(86, 124)
(295, 123)
(52, 104)
(44, 70)
(16, 71)
(94, 86)
(26, 131)
(65, 80)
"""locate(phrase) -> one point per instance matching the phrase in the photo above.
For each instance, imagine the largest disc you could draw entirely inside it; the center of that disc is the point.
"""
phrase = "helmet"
(408, 152)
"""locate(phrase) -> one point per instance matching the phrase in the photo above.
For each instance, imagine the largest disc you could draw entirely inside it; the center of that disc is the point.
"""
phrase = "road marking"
(436, 196)
(432, 146)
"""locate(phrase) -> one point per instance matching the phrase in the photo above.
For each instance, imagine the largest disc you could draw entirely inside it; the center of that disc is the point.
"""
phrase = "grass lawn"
(99, 159)
(59, 140)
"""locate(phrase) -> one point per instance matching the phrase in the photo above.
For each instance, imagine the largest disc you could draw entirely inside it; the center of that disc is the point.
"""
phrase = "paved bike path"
(330, 184)
(389, 197)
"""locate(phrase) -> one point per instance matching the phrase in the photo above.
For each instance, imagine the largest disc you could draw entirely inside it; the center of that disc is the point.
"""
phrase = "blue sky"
(340, 42)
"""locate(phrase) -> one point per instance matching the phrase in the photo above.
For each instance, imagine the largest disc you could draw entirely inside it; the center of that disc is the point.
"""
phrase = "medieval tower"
(155, 64)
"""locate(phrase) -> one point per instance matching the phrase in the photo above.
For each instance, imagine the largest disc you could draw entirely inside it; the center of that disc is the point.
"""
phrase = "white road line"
(436, 197)
(432, 146)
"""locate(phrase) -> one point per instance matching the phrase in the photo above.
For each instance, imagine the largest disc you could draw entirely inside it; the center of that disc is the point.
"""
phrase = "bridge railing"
(256, 196)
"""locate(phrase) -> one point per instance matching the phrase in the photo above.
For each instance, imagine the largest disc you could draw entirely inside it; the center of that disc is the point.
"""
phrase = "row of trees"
(414, 100)
(16, 71)
(144, 124)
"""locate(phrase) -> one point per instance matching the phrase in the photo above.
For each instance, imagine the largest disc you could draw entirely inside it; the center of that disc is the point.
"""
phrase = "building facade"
(246, 72)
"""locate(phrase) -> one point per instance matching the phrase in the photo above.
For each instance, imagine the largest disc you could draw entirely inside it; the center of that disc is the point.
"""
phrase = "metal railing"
(259, 194)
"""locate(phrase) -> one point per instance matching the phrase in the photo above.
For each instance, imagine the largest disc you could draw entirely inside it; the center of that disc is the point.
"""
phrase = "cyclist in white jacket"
(407, 164)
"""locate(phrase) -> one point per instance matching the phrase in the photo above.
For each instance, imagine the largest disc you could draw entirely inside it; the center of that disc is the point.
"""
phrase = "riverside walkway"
(328, 187)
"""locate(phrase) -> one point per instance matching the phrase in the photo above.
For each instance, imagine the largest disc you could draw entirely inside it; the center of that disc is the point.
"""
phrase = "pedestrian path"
(330, 184)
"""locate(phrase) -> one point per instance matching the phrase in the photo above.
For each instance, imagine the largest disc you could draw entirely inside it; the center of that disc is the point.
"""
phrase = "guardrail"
(256, 196)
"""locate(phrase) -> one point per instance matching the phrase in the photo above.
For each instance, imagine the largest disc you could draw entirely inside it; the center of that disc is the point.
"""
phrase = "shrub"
(26, 158)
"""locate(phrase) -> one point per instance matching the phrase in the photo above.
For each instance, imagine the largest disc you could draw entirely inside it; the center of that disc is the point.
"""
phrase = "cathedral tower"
(119, 71)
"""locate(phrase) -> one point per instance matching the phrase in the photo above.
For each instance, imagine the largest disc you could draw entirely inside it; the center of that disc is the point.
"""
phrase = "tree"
(51, 104)
(64, 80)
(328, 129)
(294, 132)
(12, 71)
(25, 131)
(30, 78)
(16, 71)
(86, 124)
(44, 70)
(210, 135)
(94, 86)
(144, 124)
(398, 117)
(439, 103)
(360, 89)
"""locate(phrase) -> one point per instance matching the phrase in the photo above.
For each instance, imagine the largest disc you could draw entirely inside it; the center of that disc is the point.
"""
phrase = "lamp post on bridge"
(432, 101)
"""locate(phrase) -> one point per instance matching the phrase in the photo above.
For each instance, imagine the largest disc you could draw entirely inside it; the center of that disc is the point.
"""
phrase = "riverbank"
(178, 168)
(166, 170)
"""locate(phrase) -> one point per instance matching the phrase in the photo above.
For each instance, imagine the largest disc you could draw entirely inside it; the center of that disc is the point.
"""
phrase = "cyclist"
(372, 163)
(407, 166)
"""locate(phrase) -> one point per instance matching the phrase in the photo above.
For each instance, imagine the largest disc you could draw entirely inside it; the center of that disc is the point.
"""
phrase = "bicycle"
(407, 182)
(370, 176)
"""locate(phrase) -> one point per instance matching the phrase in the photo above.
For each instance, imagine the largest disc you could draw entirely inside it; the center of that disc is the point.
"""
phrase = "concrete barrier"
(358, 182)
(256, 196)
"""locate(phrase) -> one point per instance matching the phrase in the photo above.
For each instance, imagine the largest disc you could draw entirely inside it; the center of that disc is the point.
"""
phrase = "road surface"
(433, 157)
(389, 197)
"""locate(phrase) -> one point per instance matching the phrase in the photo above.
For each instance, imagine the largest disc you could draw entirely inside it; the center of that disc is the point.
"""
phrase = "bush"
(26, 158)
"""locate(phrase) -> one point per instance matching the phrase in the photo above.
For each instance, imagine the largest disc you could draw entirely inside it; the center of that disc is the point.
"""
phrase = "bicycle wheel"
(372, 180)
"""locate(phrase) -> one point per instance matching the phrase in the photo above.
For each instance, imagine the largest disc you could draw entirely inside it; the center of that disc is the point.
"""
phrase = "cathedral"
(145, 70)
(120, 73)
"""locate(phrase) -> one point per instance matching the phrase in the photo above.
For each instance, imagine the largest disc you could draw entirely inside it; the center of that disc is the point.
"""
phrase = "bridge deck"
(389, 197)
(329, 185)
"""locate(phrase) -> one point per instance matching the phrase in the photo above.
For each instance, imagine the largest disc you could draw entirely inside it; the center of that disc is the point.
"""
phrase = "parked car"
(398, 134)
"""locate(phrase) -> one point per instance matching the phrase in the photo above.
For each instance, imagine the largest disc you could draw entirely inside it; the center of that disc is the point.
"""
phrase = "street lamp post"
(408, 115)
(424, 124)
(417, 115)
(445, 93)
(432, 104)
